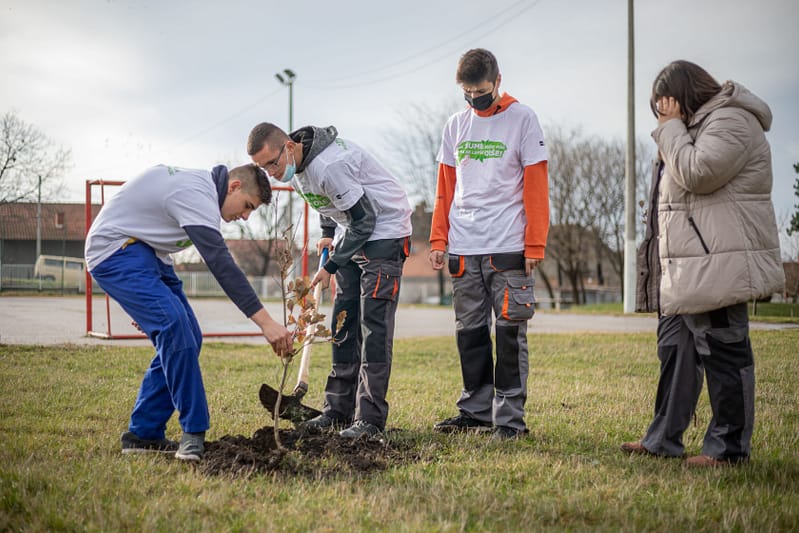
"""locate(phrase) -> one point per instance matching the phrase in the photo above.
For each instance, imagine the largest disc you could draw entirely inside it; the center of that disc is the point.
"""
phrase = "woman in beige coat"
(711, 246)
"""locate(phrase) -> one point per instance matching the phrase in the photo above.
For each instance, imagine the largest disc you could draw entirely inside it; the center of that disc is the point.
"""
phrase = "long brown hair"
(686, 82)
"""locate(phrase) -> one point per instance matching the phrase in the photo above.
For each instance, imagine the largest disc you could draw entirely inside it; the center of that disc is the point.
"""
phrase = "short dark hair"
(477, 65)
(263, 134)
(686, 82)
(253, 181)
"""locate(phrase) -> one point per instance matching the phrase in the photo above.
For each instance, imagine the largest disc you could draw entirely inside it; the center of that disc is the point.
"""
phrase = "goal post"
(90, 311)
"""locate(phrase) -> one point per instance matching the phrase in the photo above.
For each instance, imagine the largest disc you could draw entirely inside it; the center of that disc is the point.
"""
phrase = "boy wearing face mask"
(352, 193)
(492, 215)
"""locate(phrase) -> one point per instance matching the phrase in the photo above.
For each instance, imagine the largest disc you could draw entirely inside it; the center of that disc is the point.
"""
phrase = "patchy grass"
(63, 408)
(773, 313)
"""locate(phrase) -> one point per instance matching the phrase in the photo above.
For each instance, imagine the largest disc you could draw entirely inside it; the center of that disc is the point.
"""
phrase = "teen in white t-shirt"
(357, 196)
(163, 210)
(492, 215)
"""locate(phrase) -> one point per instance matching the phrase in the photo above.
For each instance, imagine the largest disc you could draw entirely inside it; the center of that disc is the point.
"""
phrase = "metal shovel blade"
(290, 406)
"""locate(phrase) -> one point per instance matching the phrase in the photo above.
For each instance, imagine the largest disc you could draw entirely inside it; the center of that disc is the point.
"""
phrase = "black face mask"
(481, 103)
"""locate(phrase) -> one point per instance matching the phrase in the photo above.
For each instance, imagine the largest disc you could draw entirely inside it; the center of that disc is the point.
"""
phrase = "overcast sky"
(128, 84)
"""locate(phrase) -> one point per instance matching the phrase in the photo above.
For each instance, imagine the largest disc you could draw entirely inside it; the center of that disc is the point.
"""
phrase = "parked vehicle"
(61, 272)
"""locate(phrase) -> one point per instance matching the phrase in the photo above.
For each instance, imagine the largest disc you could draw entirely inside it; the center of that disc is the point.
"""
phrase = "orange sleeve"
(536, 209)
(445, 191)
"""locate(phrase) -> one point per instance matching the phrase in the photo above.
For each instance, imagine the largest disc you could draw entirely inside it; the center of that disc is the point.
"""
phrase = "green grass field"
(62, 410)
(774, 313)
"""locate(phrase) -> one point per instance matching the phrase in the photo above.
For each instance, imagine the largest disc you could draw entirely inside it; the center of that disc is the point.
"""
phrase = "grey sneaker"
(131, 443)
(192, 447)
(321, 423)
(362, 430)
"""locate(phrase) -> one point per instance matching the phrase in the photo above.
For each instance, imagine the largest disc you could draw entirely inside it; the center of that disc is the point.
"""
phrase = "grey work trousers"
(482, 284)
(716, 344)
(367, 288)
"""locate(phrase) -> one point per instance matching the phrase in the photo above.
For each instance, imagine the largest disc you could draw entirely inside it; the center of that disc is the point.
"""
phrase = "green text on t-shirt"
(480, 150)
(315, 200)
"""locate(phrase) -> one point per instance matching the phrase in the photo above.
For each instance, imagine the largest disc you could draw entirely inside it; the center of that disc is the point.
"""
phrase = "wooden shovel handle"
(305, 359)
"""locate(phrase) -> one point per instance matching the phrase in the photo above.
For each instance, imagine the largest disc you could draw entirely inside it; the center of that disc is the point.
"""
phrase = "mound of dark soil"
(311, 455)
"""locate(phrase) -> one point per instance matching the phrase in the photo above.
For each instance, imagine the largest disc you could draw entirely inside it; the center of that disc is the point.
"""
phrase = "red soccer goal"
(107, 334)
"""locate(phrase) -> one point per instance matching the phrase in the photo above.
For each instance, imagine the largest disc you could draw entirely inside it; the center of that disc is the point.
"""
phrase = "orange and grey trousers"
(492, 289)
(367, 288)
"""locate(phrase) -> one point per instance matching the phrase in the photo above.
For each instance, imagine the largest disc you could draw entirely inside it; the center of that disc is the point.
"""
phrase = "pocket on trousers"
(456, 265)
(505, 262)
(519, 299)
(382, 282)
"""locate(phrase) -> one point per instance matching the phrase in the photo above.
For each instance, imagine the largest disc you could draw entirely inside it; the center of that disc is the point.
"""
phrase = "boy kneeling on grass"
(161, 211)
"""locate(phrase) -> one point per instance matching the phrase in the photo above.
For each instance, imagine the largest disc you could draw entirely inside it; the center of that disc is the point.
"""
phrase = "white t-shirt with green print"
(341, 174)
(489, 155)
(153, 207)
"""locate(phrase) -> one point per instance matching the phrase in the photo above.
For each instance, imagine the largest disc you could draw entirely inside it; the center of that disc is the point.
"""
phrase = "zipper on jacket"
(651, 223)
(693, 225)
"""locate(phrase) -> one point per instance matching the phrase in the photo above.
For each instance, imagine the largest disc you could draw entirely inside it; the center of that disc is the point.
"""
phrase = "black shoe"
(321, 423)
(362, 430)
(508, 433)
(461, 423)
(133, 444)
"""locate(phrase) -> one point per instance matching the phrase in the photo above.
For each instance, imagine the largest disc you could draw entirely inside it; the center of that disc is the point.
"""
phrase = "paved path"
(56, 320)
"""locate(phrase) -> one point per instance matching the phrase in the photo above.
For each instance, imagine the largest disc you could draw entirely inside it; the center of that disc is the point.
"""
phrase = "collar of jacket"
(313, 140)
(220, 176)
(504, 103)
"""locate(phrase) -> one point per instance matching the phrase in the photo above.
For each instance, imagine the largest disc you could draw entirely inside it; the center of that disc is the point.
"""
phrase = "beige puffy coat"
(717, 242)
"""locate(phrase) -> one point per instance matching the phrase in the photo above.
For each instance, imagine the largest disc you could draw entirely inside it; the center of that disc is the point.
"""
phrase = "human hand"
(324, 242)
(668, 108)
(530, 264)
(323, 277)
(436, 259)
(278, 337)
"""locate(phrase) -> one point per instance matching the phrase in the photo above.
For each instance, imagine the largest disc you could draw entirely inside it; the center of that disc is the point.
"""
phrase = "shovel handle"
(305, 359)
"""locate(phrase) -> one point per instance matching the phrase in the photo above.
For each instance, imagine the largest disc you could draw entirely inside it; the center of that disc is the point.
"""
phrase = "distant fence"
(203, 284)
(195, 284)
(414, 290)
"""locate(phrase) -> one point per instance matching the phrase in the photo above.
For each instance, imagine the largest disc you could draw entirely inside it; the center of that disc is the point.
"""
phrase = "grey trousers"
(367, 288)
(716, 344)
(481, 285)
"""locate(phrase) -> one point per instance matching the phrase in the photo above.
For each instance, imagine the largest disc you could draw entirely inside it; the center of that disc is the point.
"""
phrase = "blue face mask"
(291, 168)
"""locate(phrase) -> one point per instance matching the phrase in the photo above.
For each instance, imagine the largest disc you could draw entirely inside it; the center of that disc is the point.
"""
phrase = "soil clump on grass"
(315, 455)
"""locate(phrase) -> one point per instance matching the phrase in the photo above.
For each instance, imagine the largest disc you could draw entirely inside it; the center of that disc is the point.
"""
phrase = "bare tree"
(587, 203)
(608, 197)
(263, 228)
(789, 248)
(794, 224)
(413, 146)
(572, 213)
(26, 156)
(412, 150)
(789, 240)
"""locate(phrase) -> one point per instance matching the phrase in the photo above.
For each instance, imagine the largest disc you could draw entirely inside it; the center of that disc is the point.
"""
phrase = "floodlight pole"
(39, 227)
(287, 78)
(629, 173)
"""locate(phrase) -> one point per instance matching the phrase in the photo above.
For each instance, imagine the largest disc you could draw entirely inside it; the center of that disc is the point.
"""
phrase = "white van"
(58, 268)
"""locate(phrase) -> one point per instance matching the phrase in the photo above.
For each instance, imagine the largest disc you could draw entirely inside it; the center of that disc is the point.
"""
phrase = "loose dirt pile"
(312, 455)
